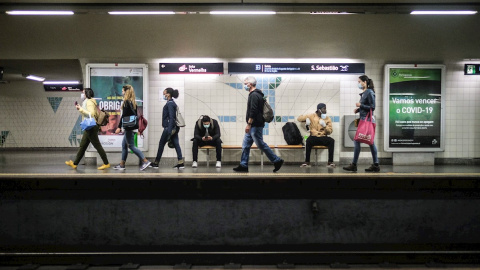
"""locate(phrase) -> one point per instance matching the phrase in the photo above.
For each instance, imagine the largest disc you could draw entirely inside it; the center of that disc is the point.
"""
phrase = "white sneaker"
(219, 164)
(194, 164)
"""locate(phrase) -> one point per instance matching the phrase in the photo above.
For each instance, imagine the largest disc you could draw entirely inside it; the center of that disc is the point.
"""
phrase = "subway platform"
(52, 214)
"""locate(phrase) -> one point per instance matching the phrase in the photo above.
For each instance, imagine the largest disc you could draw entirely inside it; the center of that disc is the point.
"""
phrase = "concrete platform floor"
(51, 162)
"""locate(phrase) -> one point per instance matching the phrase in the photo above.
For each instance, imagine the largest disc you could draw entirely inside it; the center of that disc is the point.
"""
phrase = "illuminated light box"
(191, 68)
(296, 68)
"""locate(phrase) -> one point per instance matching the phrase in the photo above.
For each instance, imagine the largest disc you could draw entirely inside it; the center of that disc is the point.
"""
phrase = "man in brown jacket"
(320, 128)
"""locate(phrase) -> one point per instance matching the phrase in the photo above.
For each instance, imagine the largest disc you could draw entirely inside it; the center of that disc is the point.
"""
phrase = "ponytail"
(173, 92)
(364, 78)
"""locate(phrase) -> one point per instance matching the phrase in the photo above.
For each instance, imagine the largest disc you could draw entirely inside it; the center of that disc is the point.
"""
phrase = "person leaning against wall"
(320, 127)
(367, 103)
(170, 129)
(89, 107)
(129, 108)
(206, 132)
(254, 128)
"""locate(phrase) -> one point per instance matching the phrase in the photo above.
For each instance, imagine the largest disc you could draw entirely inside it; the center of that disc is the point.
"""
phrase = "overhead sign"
(60, 87)
(296, 68)
(472, 69)
(414, 108)
(192, 68)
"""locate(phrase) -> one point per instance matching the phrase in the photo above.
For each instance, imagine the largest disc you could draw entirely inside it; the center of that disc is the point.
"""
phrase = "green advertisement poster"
(414, 109)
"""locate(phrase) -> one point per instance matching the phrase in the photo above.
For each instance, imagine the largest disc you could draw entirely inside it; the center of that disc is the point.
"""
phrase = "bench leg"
(316, 157)
(261, 158)
(208, 157)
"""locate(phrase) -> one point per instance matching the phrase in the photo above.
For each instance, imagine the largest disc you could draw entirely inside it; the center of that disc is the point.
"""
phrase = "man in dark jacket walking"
(207, 132)
(254, 128)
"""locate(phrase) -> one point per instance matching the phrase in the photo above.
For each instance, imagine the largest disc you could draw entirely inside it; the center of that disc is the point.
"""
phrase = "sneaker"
(278, 165)
(194, 164)
(145, 165)
(240, 168)
(154, 165)
(104, 166)
(352, 168)
(331, 165)
(180, 166)
(70, 163)
(119, 167)
(373, 168)
(219, 164)
(306, 164)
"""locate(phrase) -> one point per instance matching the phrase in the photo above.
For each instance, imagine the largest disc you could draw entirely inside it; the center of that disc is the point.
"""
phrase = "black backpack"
(291, 134)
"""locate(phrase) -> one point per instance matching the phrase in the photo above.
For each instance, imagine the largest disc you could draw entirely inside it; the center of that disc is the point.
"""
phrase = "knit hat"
(321, 105)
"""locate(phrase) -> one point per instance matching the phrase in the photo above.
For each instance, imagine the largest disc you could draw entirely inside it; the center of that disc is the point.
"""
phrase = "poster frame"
(386, 108)
(145, 104)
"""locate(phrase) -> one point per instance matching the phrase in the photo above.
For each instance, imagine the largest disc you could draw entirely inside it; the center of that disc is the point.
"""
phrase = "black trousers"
(325, 141)
(199, 143)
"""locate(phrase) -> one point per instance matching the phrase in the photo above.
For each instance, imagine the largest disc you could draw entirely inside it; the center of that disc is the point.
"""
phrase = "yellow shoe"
(70, 163)
(104, 166)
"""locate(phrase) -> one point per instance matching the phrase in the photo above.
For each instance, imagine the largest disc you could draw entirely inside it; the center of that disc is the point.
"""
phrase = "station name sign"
(472, 69)
(191, 68)
(296, 68)
(61, 87)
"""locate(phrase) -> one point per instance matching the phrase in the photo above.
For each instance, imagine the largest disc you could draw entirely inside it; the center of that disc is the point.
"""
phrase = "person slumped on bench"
(207, 132)
(320, 127)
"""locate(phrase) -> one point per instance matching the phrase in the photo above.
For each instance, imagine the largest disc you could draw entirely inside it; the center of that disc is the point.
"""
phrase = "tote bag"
(366, 130)
(88, 123)
(179, 121)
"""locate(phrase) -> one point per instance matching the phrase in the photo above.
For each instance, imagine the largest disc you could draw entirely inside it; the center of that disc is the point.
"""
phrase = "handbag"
(102, 117)
(366, 130)
(179, 121)
(88, 123)
(130, 122)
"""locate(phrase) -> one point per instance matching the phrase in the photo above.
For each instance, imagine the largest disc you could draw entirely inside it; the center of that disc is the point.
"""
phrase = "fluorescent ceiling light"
(35, 78)
(330, 13)
(443, 12)
(38, 12)
(141, 12)
(61, 82)
(242, 12)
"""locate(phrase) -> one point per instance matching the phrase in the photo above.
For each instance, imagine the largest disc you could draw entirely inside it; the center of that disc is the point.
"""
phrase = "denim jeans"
(356, 152)
(256, 135)
(164, 140)
(129, 143)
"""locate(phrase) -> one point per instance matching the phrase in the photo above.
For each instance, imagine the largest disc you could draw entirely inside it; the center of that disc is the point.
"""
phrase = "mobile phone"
(76, 103)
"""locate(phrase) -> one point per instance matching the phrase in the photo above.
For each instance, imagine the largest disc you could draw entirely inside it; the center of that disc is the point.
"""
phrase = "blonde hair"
(129, 95)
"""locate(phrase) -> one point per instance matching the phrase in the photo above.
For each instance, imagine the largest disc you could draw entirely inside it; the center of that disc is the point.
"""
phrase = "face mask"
(206, 126)
(360, 86)
(165, 98)
(82, 96)
(323, 116)
(246, 87)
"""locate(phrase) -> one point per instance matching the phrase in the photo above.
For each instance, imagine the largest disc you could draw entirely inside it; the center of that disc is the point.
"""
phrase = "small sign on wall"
(472, 69)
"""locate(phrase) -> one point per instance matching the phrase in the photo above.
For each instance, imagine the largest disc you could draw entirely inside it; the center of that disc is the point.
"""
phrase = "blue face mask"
(360, 86)
(206, 126)
(323, 116)
(246, 87)
(165, 98)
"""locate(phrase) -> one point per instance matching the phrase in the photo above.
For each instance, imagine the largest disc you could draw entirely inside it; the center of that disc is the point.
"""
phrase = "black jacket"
(255, 108)
(213, 132)
(127, 111)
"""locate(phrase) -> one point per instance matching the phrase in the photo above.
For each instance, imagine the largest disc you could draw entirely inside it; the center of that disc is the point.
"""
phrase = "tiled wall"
(32, 117)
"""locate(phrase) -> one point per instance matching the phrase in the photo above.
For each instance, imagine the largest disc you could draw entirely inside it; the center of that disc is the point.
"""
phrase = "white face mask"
(323, 116)
(82, 96)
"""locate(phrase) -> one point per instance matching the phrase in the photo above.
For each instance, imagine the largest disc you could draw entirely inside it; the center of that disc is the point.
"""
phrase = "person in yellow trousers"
(89, 106)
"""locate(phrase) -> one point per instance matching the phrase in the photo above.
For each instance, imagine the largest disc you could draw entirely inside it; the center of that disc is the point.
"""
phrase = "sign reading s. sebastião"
(414, 99)
(191, 68)
(296, 68)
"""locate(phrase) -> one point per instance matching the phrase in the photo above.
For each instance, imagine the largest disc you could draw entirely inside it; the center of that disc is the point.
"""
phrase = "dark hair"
(364, 78)
(88, 92)
(173, 92)
(206, 118)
